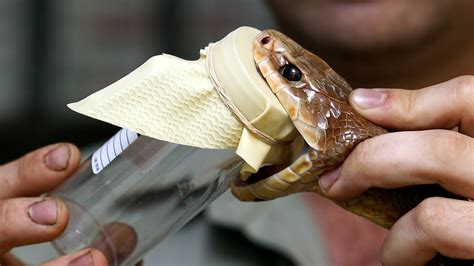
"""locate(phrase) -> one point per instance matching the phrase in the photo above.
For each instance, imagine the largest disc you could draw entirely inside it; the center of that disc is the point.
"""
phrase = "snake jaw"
(275, 181)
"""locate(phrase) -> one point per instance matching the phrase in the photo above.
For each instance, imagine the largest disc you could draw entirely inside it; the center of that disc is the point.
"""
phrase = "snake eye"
(290, 72)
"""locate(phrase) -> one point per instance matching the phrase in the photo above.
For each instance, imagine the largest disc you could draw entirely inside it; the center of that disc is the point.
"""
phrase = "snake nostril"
(265, 40)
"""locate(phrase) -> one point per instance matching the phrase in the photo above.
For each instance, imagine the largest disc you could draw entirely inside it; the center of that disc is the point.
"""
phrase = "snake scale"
(316, 100)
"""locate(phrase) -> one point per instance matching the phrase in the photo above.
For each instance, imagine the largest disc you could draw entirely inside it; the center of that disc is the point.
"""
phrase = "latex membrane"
(174, 100)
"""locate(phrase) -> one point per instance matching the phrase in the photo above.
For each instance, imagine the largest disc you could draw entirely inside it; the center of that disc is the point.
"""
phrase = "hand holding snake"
(364, 168)
(429, 153)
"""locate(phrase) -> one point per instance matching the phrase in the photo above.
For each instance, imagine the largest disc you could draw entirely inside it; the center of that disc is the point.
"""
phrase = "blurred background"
(54, 52)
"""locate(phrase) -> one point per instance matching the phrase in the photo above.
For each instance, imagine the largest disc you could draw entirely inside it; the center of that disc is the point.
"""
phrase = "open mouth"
(262, 174)
(266, 171)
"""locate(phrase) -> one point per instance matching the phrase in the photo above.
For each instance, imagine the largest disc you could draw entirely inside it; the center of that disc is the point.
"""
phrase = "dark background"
(53, 52)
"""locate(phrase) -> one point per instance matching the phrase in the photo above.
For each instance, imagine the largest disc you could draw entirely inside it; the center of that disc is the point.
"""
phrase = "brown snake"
(316, 100)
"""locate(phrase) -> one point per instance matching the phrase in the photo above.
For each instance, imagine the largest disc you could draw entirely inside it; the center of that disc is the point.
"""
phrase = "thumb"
(442, 106)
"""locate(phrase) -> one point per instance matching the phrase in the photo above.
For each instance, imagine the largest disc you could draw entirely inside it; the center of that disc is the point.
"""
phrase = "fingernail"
(58, 158)
(44, 212)
(328, 179)
(368, 98)
(84, 260)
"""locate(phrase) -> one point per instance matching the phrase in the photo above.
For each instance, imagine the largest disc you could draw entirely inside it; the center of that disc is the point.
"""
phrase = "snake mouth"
(262, 174)
(274, 180)
(266, 171)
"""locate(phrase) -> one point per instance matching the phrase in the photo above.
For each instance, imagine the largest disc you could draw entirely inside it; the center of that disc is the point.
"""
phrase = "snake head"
(284, 63)
(308, 89)
(316, 100)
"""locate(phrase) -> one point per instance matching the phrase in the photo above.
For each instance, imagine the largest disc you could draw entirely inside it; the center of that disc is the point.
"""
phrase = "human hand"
(28, 219)
(428, 154)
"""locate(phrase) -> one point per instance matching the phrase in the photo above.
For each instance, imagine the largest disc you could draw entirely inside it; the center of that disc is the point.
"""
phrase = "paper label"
(111, 149)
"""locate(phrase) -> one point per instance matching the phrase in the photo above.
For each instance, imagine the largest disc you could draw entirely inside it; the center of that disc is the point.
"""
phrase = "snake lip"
(262, 174)
(267, 171)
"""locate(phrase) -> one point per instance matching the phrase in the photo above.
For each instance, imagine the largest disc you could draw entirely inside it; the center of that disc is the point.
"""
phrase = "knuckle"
(445, 146)
(385, 255)
(430, 216)
(22, 164)
(465, 82)
(410, 108)
(362, 162)
(403, 104)
(25, 163)
(5, 215)
(464, 91)
(362, 154)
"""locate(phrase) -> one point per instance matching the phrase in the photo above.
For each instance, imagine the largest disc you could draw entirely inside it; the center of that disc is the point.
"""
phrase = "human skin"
(26, 218)
(384, 43)
(400, 44)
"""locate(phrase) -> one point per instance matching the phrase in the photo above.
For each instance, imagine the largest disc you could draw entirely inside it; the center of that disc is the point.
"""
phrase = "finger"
(405, 158)
(437, 225)
(445, 105)
(10, 260)
(117, 242)
(86, 257)
(38, 171)
(26, 221)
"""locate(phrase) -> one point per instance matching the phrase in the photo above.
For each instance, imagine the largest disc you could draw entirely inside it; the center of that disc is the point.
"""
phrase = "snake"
(316, 99)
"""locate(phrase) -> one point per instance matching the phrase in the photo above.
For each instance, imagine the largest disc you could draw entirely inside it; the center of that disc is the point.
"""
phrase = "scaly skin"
(318, 106)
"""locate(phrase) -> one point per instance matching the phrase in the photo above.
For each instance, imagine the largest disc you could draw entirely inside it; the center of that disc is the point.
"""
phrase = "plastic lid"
(235, 69)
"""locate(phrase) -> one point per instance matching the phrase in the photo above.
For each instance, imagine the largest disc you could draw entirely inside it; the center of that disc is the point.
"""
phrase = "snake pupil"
(290, 72)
